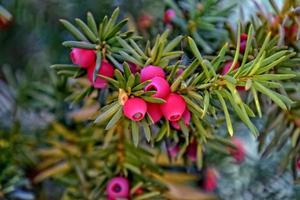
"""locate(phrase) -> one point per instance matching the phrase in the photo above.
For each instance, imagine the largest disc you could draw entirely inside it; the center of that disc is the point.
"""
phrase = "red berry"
(174, 107)
(106, 69)
(161, 86)
(154, 111)
(85, 58)
(135, 109)
(186, 118)
(149, 72)
(228, 65)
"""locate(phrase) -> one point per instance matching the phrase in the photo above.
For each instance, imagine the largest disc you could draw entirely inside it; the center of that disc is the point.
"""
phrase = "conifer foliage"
(136, 117)
(152, 97)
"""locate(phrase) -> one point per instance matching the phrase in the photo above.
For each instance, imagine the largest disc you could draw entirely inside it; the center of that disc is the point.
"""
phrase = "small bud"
(85, 58)
(186, 118)
(135, 109)
(154, 111)
(239, 153)
(106, 69)
(169, 15)
(117, 188)
(174, 107)
(149, 72)
(161, 86)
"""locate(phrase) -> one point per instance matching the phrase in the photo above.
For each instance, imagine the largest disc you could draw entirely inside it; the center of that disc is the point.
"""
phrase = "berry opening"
(151, 87)
(117, 188)
(138, 116)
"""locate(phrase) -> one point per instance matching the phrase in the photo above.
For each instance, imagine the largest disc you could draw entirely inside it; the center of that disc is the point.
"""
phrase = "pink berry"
(174, 107)
(135, 109)
(169, 16)
(106, 69)
(210, 180)
(173, 150)
(154, 111)
(149, 72)
(161, 86)
(239, 153)
(117, 187)
(85, 58)
(186, 118)
(191, 151)
(228, 65)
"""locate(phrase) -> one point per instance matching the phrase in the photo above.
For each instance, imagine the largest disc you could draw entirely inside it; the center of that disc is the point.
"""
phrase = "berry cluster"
(86, 59)
(135, 108)
(174, 108)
